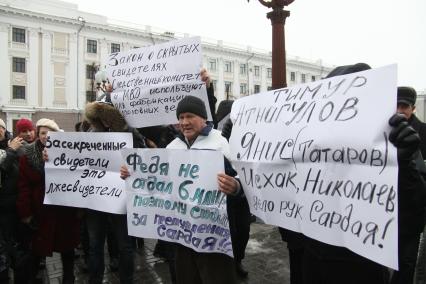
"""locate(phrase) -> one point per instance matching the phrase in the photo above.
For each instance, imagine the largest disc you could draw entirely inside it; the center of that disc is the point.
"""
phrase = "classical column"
(104, 52)
(47, 70)
(71, 73)
(220, 92)
(33, 75)
(5, 87)
(236, 87)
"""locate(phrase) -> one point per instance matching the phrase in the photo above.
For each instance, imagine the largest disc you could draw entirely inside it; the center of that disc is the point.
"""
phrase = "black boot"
(239, 268)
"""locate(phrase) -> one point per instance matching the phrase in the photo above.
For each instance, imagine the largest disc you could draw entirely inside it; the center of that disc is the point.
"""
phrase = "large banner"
(83, 170)
(315, 158)
(149, 82)
(173, 195)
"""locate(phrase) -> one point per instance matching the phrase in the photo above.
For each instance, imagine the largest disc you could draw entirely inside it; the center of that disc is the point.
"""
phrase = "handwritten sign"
(173, 196)
(316, 159)
(84, 170)
(149, 82)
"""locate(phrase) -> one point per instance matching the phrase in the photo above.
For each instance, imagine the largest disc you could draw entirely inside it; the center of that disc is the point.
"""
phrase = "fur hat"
(47, 123)
(348, 69)
(406, 95)
(24, 124)
(2, 124)
(101, 115)
(193, 105)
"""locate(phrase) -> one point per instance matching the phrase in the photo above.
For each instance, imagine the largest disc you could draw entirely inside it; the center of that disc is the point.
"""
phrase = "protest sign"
(173, 195)
(315, 158)
(83, 170)
(149, 82)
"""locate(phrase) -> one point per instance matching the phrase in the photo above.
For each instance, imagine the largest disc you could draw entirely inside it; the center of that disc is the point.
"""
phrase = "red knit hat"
(24, 124)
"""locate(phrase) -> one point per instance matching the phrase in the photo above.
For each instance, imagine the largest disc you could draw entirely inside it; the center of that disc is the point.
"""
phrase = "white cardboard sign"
(315, 158)
(83, 170)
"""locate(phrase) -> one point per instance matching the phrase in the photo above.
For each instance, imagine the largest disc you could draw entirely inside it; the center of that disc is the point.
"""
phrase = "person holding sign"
(104, 117)
(191, 266)
(197, 134)
(324, 263)
(412, 200)
(54, 228)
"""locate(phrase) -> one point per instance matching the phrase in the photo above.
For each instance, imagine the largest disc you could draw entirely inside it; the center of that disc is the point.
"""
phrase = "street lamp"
(277, 17)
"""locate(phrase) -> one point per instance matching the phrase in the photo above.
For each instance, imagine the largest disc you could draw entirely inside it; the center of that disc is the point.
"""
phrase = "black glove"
(227, 129)
(403, 136)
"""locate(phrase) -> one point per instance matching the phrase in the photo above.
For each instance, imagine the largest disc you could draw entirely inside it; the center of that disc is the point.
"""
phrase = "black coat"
(420, 127)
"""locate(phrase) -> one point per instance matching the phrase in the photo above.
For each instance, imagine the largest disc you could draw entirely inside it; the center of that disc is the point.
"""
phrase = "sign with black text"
(149, 82)
(315, 158)
(83, 170)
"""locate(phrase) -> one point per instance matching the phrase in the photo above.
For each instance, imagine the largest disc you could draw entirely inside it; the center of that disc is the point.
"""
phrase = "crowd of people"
(31, 230)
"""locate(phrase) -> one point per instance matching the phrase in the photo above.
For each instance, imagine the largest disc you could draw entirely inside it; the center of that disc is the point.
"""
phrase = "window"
(228, 66)
(256, 71)
(115, 47)
(90, 72)
(90, 96)
(228, 89)
(292, 76)
(303, 78)
(19, 64)
(256, 89)
(243, 69)
(313, 78)
(269, 88)
(18, 35)
(212, 64)
(18, 92)
(92, 46)
(269, 72)
(243, 89)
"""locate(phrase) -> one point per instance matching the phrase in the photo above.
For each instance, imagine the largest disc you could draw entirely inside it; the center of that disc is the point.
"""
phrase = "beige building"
(50, 51)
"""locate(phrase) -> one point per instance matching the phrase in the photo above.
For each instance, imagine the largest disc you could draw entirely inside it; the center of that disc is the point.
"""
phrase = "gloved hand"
(227, 129)
(403, 136)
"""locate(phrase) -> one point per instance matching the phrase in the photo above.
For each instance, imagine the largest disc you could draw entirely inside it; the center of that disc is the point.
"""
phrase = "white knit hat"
(47, 123)
(2, 124)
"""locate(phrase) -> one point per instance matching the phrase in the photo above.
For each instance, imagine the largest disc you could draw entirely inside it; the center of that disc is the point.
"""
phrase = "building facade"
(50, 52)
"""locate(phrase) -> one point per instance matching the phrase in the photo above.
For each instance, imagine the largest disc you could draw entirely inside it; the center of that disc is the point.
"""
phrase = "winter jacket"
(420, 127)
(56, 228)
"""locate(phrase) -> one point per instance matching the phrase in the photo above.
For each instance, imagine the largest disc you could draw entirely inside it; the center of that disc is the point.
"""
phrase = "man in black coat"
(406, 104)
(324, 263)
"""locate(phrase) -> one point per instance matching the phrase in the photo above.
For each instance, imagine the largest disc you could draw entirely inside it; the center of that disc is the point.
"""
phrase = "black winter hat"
(406, 95)
(348, 69)
(193, 105)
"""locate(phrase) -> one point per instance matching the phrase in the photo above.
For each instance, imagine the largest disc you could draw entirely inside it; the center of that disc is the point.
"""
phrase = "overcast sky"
(340, 32)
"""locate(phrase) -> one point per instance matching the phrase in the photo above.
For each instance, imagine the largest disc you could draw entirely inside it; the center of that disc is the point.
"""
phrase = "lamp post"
(277, 17)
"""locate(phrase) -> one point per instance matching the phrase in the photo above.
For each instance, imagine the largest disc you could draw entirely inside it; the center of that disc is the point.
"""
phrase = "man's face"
(27, 135)
(2, 133)
(191, 125)
(406, 110)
